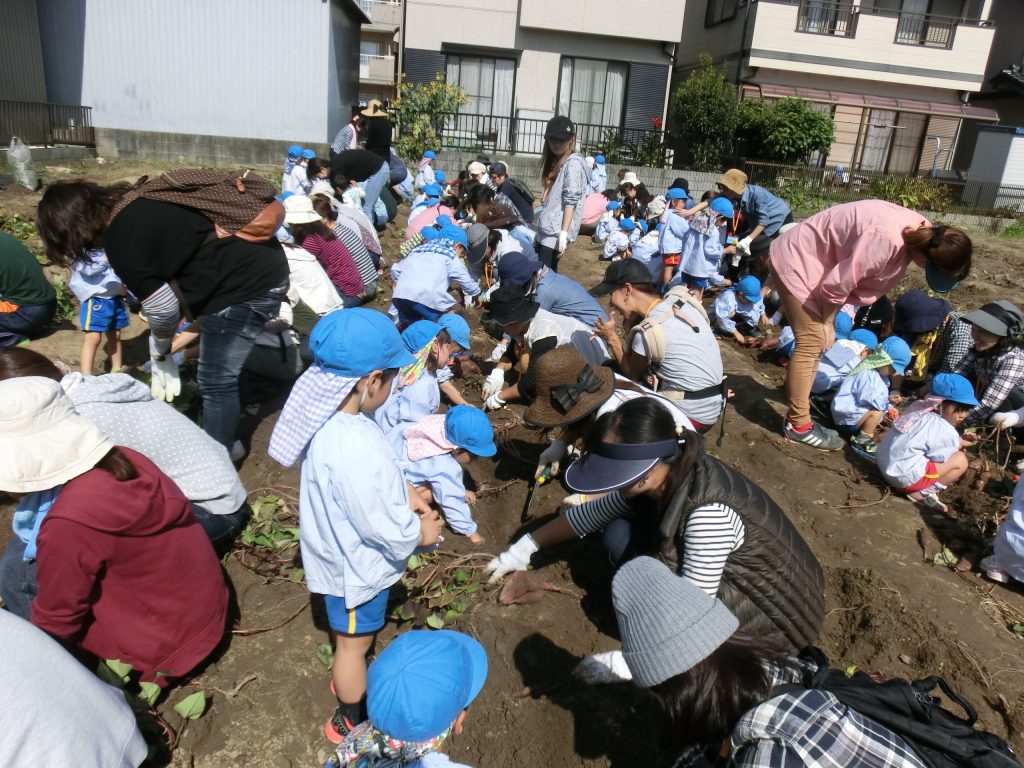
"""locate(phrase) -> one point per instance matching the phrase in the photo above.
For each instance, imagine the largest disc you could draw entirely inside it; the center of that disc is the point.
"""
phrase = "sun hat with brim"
(419, 334)
(630, 178)
(1000, 318)
(324, 188)
(470, 429)
(621, 272)
(373, 109)
(681, 183)
(953, 386)
(298, 209)
(476, 168)
(508, 305)
(939, 280)
(457, 327)
(517, 269)
(499, 169)
(568, 388)
(43, 442)
(357, 341)
(610, 466)
(734, 180)
(917, 312)
(418, 685)
(655, 208)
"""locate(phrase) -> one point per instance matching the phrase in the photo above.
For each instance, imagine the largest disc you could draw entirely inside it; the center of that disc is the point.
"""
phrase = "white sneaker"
(991, 570)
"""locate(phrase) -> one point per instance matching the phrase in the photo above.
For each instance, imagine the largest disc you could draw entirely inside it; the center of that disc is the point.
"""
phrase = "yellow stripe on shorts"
(351, 622)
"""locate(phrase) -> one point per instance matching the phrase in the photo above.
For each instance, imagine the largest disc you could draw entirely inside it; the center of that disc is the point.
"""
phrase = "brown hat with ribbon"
(568, 388)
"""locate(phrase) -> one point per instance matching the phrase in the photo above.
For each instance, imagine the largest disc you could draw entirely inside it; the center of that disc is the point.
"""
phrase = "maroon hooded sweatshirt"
(125, 572)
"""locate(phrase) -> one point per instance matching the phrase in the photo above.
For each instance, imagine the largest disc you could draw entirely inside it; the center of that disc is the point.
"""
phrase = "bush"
(420, 110)
(911, 192)
(783, 131)
(704, 111)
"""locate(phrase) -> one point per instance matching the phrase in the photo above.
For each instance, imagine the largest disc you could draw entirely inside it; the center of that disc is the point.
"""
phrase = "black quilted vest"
(773, 582)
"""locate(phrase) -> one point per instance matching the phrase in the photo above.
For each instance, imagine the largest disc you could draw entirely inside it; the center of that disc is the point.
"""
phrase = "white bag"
(19, 158)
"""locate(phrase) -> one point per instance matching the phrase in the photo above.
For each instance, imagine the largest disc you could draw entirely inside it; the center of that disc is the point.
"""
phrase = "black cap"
(621, 272)
(499, 169)
(681, 183)
(509, 305)
(560, 127)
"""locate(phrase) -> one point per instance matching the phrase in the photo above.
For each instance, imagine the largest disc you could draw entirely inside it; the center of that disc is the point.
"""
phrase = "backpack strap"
(650, 329)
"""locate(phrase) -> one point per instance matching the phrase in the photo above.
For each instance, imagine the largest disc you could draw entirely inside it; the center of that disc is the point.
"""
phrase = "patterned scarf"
(916, 411)
(411, 373)
(704, 222)
(314, 398)
(426, 438)
(877, 359)
(367, 747)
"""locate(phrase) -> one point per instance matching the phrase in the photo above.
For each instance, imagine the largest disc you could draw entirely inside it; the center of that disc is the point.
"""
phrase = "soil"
(888, 610)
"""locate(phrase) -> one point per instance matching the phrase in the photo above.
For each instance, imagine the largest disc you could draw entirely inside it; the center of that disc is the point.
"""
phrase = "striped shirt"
(712, 533)
(348, 233)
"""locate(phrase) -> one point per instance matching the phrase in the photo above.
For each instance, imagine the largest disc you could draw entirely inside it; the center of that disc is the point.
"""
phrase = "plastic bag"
(19, 158)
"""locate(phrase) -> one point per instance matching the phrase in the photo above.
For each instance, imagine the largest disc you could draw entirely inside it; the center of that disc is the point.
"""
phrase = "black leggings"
(548, 256)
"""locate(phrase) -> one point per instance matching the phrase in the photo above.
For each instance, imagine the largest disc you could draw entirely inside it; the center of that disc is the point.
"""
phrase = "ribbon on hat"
(565, 397)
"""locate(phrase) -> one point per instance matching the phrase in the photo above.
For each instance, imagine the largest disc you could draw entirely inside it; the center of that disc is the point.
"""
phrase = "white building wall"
(1013, 172)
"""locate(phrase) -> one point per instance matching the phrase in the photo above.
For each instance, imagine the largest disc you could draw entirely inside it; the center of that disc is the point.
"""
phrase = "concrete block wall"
(192, 149)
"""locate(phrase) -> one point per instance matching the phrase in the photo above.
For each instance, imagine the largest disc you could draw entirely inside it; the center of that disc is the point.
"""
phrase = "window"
(826, 17)
(893, 141)
(719, 11)
(487, 82)
(592, 91)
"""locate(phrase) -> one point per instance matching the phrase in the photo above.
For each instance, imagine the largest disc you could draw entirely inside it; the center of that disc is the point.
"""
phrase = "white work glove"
(499, 351)
(467, 300)
(600, 668)
(551, 457)
(494, 383)
(164, 383)
(743, 246)
(1005, 420)
(515, 558)
(494, 403)
(574, 500)
(563, 242)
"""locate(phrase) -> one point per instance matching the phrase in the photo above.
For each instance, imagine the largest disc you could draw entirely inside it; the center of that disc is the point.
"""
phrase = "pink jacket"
(848, 253)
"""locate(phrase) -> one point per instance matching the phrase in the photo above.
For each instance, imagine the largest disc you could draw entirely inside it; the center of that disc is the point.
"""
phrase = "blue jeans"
(372, 187)
(224, 344)
(23, 322)
(18, 584)
(222, 530)
(410, 311)
(618, 541)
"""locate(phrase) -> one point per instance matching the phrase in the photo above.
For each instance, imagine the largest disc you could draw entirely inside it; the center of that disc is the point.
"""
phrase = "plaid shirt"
(956, 342)
(809, 729)
(994, 378)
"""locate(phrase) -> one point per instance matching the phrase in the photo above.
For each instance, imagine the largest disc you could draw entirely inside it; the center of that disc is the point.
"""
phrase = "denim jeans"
(23, 322)
(225, 341)
(222, 530)
(410, 311)
(618, 541)
(373, 186)
(18, 585)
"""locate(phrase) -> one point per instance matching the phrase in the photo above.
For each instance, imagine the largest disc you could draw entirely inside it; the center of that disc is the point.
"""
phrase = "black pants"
(548, 256)
(756, 262)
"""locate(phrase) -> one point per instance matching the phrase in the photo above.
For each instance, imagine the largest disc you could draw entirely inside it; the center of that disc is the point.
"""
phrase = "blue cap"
(470, 429)
(430, 154)
(456, 235)
(308, 154)
(750, 288)
(614, 205)
(432, 190)
(515, 268)
(457, 327)
(441, 177)
(419, 684)
(286, 195)
(419, 334)
(676, 194)
(627, 224)
(953, 386)
(444, 220)
(899, 351)
(430, 233)
(295, 150)
(865, 337)
(353, 342)
(843, 325)
(722, 206)
(643, 226)
(599, 159)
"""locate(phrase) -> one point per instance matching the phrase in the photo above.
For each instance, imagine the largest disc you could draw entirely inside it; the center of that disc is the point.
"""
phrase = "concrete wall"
(193, 149)
(603, 17)
(21, 54)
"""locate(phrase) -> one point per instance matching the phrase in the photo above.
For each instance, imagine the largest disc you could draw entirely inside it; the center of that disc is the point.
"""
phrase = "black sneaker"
(817, 437)
(338, 727)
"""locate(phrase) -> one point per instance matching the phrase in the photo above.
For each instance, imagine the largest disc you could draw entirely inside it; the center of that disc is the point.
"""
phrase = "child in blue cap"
(433, 453)
(617, 246)
(296, 180)
(423, 279)
(599, 175)
(425, 171)
(841, 358)
(608, 222)
(419, 690)
(739, 311)
(674, 228)
(923, 452)
(294, 153)
(701, 254)
(359, 520)
(863, 397)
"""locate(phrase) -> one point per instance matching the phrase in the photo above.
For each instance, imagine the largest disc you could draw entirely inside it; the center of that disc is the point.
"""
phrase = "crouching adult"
(125, 571)
(710, 524)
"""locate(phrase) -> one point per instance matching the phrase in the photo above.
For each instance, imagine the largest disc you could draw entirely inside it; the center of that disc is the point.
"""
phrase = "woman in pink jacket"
(852, 253)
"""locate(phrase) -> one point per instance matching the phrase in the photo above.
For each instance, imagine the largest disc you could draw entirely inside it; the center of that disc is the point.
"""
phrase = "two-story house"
(896, 75)
(379, 42)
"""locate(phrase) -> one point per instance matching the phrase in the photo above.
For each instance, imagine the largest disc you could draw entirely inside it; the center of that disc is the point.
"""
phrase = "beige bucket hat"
(43, 442)
(734, 180)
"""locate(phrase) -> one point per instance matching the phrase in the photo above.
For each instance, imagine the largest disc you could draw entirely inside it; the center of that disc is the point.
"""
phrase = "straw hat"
(568, 388)
(374, 109)
(43, 442)
(734, 180)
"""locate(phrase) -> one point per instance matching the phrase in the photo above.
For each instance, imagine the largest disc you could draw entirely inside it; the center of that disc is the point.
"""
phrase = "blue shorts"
(361, 620)
(695, 282)
(99, 315)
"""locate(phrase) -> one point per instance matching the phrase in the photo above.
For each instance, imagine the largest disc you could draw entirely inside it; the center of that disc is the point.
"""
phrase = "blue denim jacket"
(760, 206)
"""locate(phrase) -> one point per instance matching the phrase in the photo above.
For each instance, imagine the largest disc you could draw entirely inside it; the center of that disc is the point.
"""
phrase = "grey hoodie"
(569, 188)
(125, 411)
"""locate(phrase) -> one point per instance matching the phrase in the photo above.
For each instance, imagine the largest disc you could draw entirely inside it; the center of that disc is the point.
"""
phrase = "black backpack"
(522, 189)
(940, 738)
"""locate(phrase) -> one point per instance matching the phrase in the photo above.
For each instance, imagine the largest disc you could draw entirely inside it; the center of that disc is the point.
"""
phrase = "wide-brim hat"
(373, 109)
(734, 180)
(610, 466)
(568, 388)
(1000, 318)
(630, 178)
(43, 442)
(508, 305)
(298, 209)
(323, 188)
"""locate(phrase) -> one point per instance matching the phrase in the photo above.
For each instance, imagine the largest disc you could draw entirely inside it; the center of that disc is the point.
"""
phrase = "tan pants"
(803, 364)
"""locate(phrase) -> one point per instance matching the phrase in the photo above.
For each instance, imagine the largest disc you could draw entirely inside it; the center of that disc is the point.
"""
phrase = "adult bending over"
(710, 524)
(761, 216)
(565, 178)
(361, 165)
(853, 253)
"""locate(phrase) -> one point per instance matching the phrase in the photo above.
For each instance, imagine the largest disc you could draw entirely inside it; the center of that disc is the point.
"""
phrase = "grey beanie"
(668, 624)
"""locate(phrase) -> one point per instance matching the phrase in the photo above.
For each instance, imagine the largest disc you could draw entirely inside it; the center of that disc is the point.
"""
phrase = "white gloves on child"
(165, 382)
(515, 558)
(494, 383)
(601, 668)
(743, 246)
(551, 456)
(494, 403)
(563, 242)
(1006, 420)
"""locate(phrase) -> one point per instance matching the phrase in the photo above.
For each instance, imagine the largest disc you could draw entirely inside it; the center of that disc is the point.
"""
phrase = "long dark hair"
(301, 231)
(16, 362)
(72, 217)
(313, 168)
(117, 464)
(703, 704)
(949, 247)
(324, 208)
(551, 164)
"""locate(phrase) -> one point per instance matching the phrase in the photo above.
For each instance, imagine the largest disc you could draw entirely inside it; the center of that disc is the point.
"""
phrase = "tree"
(704, 110)
(420, 110)
(784, 131)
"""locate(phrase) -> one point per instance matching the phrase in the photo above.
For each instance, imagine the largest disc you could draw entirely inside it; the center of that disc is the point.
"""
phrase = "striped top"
(712, 533)
(348, 233)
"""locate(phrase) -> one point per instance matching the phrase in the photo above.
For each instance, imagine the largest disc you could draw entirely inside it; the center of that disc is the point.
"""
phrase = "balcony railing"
(827, 17)
(381, 11)
(41, 123)
(376, 67)
(922, 29)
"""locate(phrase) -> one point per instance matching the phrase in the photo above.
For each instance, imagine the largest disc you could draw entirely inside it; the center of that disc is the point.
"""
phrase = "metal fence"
(950, 192)
(47, 124)
(921, 29)
(827, 17)
(525, 136)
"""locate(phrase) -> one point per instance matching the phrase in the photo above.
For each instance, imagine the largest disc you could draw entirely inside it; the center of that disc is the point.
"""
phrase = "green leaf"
(115, 672)
(460, 606)
(435, 622)
(472, 587)
(298, 575)
(108, 676)
(414, 563)
(945, 557)
(192, 706)
(451, 615)
(851, 670)
(1018, 628)
(149, 693)
(325, 655)
(461, 576)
